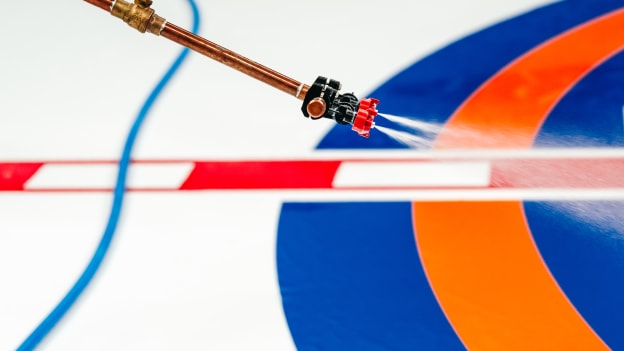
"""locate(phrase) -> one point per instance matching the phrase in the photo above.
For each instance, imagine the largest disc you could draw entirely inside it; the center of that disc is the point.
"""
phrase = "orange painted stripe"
(492, 283)
(507, 111)
(480, 257)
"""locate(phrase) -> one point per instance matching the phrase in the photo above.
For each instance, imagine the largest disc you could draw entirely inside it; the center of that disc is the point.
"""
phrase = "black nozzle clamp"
(342, 108)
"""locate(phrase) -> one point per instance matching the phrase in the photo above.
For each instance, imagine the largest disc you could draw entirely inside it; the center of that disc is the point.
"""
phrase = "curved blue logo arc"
(352, 284)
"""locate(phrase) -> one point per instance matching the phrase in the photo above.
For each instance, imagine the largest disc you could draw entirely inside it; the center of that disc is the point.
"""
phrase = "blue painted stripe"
(590, 115)
(582, 243)
(351, 279)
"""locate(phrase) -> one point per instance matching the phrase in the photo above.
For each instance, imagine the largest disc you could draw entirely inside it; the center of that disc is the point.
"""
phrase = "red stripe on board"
(562, 173)
(573, 173)
(262, 175)
(13, 176)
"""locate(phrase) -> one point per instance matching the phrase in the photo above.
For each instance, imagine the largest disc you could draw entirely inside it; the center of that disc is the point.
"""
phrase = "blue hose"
(52, 319)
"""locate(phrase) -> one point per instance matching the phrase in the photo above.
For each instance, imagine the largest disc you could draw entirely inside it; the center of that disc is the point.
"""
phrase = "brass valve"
(139, 15)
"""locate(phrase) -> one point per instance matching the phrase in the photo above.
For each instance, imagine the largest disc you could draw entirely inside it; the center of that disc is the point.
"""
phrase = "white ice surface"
(187, 271)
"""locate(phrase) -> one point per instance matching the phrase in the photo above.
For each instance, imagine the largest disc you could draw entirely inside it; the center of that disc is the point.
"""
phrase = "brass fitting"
(139, 15)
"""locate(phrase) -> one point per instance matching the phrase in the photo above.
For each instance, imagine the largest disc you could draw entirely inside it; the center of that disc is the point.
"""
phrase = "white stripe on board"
(352, 174)
(103, 176)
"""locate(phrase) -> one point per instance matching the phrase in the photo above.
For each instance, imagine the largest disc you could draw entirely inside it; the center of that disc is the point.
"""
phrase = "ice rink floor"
(196, 269)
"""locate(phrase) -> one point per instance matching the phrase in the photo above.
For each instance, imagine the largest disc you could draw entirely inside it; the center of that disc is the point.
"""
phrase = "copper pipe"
(103, 4)
(140, 16)
(234, 60)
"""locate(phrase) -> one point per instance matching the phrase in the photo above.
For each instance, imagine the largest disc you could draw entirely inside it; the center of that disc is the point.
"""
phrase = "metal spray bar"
(322, 99)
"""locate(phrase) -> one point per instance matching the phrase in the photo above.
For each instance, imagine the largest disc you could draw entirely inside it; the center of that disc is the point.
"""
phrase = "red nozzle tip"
(366, 113)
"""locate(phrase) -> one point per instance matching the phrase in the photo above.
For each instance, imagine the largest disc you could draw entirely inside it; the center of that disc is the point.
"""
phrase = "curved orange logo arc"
(480, 258)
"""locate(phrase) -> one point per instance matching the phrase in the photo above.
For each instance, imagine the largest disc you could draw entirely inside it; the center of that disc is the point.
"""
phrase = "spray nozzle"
(364, 119)
(323, 99)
